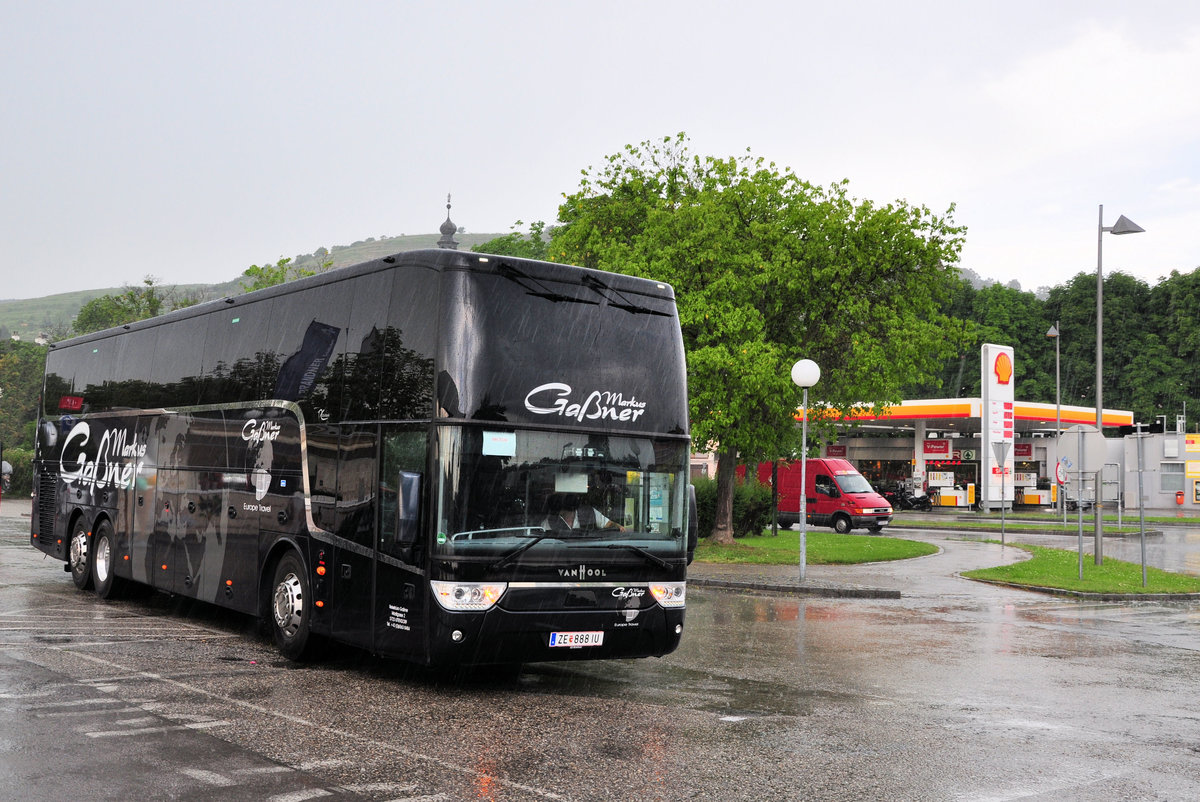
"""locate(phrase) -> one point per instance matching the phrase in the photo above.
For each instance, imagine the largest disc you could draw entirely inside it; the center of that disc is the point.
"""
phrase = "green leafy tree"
(768, 269)
(1010, 316)
(21, 366)
(129, 306)
(959, 376)
(257, 277)
(1176, 304)
(1130, 329)
(527, 246)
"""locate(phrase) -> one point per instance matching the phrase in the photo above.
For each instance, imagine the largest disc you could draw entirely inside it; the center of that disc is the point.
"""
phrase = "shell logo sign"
(997, 367)
(1003, 368)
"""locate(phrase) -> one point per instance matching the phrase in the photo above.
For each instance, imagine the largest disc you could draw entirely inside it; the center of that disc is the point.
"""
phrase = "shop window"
(1171, 477)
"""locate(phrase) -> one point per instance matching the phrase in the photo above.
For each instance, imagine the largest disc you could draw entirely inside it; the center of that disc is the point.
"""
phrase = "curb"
(1019, 530)
(1087, 596)
(796, 590)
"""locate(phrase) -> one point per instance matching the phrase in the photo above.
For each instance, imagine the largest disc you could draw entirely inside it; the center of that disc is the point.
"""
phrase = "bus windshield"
(522, 495)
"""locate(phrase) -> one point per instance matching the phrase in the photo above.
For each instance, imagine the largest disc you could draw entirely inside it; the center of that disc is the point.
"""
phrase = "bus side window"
(322, 442)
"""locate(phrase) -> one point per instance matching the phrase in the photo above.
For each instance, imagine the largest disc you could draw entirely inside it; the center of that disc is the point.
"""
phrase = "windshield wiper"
(618, 299)
(656, 560)
(569, 534)
(518, 551)
(537, 288)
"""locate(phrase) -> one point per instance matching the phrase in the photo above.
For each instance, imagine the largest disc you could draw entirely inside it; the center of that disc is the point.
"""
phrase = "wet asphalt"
(1171, 547)
(954, 690)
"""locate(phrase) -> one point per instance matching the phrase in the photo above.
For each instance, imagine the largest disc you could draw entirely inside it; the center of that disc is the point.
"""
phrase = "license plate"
(576, 639)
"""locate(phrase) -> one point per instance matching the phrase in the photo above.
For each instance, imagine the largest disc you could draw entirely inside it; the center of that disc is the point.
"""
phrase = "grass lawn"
(821, 548)
(1057, 568)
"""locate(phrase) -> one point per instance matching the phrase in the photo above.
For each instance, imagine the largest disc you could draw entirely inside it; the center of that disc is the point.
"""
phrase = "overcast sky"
(190, 140)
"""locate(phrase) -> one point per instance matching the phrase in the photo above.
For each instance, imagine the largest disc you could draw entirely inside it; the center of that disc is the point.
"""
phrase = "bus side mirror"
(408, 508)
(693, 524)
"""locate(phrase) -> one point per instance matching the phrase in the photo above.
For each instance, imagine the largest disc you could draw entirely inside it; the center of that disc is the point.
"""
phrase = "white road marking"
(209, 777)
(200, 725)
(300, 796)
(333, 732)
(328, 763)
(76, 703)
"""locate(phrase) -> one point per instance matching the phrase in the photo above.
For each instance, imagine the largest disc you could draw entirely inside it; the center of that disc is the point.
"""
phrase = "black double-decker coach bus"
(444, 457)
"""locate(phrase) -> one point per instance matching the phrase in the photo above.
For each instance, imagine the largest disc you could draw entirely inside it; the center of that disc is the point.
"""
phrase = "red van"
(838, 496)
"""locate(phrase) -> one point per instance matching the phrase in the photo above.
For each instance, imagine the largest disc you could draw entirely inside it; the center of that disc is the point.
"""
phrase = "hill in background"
(53, 314)
(30, 317)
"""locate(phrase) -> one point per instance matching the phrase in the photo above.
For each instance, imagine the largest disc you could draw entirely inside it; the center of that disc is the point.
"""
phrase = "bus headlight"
(669, 594)
(468, 596)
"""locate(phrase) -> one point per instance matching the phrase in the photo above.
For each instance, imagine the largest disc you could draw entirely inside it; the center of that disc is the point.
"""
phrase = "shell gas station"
(983, 452)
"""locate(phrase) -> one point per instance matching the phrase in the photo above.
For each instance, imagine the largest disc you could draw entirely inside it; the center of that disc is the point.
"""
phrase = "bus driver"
(569, 511)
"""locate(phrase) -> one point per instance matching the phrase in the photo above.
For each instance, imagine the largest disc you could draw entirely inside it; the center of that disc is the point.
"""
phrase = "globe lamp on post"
(805, 374)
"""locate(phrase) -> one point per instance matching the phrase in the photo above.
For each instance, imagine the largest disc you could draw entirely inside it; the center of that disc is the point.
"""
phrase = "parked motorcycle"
(902, 498)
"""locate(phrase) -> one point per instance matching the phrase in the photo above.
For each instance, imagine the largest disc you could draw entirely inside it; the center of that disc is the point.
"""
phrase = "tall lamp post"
(805, 373)
(1123, 226)
(1053, 333)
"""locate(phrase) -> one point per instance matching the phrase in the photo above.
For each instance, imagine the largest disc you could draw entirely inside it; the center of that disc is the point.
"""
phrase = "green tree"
(767, 269)
(1176, 303)
(527, 246)
(21, 366)
(257, 277)
(1009, 316)
(129, 306)
(959, 376)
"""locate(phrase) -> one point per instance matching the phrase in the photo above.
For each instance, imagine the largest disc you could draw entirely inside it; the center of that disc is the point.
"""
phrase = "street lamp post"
(1123, 226)
(1058, 412)
(805, 373)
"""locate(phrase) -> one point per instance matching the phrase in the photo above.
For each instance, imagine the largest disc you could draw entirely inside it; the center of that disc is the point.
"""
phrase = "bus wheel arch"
(79, 549)
(842, 524)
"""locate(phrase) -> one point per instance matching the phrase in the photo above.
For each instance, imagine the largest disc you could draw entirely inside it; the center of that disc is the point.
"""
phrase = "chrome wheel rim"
(79, 550)
(289, 605)
(103, 560)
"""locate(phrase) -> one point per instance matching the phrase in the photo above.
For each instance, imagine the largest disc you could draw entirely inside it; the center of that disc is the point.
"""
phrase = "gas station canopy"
(964, 415)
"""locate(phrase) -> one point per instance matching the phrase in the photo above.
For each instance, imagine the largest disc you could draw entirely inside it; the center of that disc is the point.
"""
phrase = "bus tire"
(80, 555)
(104, 555)
(841, 524)
(290, 608)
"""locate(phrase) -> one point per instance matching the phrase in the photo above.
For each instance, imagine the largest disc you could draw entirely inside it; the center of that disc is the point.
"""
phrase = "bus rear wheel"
(104, 555)
(80, 556)
(291, 608)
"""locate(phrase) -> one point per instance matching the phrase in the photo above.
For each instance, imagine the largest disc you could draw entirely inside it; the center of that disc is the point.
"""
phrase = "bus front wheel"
(841, 525)
(80, 556)
(291, 611)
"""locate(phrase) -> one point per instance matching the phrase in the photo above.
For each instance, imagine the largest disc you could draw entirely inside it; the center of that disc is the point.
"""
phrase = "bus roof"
(428, 258)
